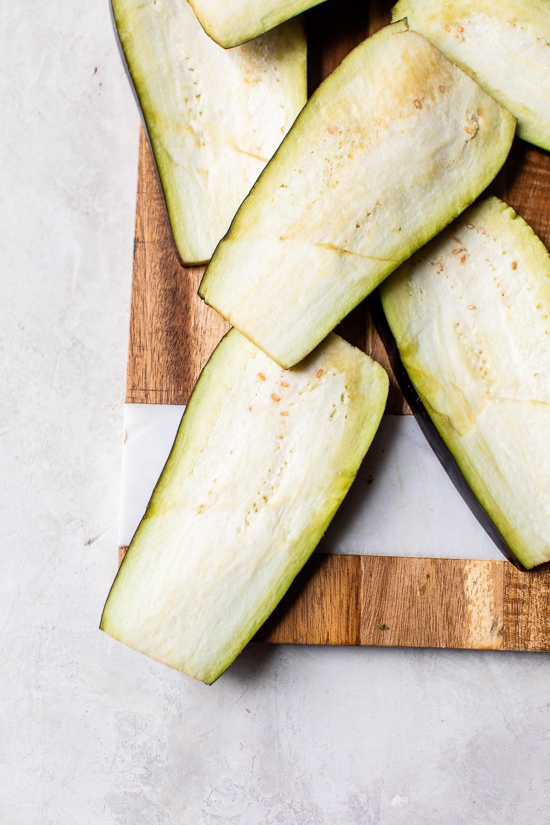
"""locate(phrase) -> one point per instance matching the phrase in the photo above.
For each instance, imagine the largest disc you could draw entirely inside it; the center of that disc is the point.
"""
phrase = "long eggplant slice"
(503, 44)
(214, 117)
(233, 23)
(262, 461)
(471, 317)
(391, 147)
(429, 429)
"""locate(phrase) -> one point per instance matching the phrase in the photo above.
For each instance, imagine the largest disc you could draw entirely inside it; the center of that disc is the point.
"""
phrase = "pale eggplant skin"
(231, 24)
(502, 44)
(261, 462)
(213, 117)
(390, 148)
(470, 314)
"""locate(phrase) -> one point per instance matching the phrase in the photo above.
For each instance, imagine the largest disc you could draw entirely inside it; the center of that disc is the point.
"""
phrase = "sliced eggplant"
(262, 460)
(231, 24)
(471, 317)
(429, 430)
(214, 117)
(391, 147)
(503, 44)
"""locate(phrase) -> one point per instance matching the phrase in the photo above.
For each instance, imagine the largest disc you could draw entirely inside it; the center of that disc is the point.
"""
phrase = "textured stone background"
(91, 732)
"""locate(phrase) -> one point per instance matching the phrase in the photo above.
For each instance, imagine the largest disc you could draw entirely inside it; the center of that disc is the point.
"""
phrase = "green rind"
(330, 217)
(213, 117)
(327, 457)
(503, 44)
(455, 404)
(231, 24)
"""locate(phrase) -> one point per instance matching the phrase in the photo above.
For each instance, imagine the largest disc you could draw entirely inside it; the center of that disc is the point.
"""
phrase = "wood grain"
(406, 602)
(172, 331)
(341, 600)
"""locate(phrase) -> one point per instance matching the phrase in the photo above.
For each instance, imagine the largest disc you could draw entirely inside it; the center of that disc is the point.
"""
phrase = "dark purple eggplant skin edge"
(429, 430)
(143, 121)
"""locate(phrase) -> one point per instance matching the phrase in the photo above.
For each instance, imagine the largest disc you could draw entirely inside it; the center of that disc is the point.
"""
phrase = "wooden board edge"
(388, 601)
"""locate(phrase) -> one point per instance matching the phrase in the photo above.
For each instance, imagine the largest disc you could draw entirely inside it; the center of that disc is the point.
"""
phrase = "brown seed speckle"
(417, 104)
(261, 376)
(514, 265)
(320, 373)
(284, 384)
(442, 89)
(284, 412)
(275, 397)
(471, 306)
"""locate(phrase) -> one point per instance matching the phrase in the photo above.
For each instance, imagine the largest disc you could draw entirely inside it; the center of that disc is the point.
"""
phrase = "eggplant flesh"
(390, 148)
(470, 315)
(502, 44)
(261, 462)
(213, 117)
(231, 24)
(430, 431)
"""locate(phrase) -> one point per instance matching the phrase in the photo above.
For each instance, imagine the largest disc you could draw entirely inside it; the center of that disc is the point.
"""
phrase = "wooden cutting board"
(341, 600)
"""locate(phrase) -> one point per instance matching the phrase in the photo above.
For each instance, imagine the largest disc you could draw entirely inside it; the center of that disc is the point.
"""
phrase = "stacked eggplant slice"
(262, 460)
(389, 151)
(503, 44)
(470, 314)
(214, 117)
(391, 147)
(231, 24)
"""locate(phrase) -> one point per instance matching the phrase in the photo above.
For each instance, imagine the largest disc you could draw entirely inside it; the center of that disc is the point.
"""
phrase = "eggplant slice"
(262, 461)
(393, 145)
(233, 23)
(503, 44)
(429, 430)
(213, 117)
(470, 314)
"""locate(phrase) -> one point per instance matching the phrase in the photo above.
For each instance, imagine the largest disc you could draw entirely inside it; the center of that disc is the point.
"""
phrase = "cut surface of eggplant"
(390, 148)
(231, 24)
(430, 431)
(470, 314)
(262, 460)
(502, 44)
(213, 117)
